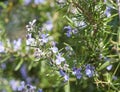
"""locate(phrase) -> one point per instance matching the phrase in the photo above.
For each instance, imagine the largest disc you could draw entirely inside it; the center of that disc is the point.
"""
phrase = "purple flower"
(54, 49)
(107, 11)
(30, 87)
(17, 44)
(63, 74)
(40, 90)
(29, 39)
(114, 78)
(53, 43)
(67, 48)
(29, 79)
(22, 86)
(38, 53)
(14, 84)
(69, 30)
(66, 78)
(44, 38)
(3, 66)
(77, 72)
(26, 88)
(109, 67)
(74, 31)
(38, 1)
(89, 71)
(23, 71)
(2, 49)
(59, 59)
(48, 25)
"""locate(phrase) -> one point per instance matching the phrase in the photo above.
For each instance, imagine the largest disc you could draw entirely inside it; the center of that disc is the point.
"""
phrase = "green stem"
(67, 87)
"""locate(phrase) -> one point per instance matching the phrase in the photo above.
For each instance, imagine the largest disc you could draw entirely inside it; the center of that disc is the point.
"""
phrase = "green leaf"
(31, 65)
(19, 65)
(107, 63)
(70, 21)
(111, 4)
(5, 59)
(3, 5)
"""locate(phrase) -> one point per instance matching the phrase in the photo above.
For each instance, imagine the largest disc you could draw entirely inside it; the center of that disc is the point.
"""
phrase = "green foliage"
(87, 36)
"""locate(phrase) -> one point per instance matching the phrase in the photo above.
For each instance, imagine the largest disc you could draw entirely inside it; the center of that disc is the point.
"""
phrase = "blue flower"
(23, 71)
(59, 59)
(3, 66)
(38, 1)
(26, 88)
(67, 48)
(30, 87)
(14, 84)
(44, 38)
(2, 49)
(63, 74)
(107, 10)
(74, 31)
(89, 71)
(66, 78)
(40, 90)
(109, 67)
(114, 77)
(22, 86)
(69, 30)
(48, 25)
(54, 49)
(77, 72)
(17, 44)
(108, 60)
(30, 40)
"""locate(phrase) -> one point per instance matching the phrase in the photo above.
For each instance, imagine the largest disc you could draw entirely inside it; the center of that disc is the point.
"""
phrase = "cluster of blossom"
(45, 47)
(70, 31)
(27, 88)
(89, 71)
